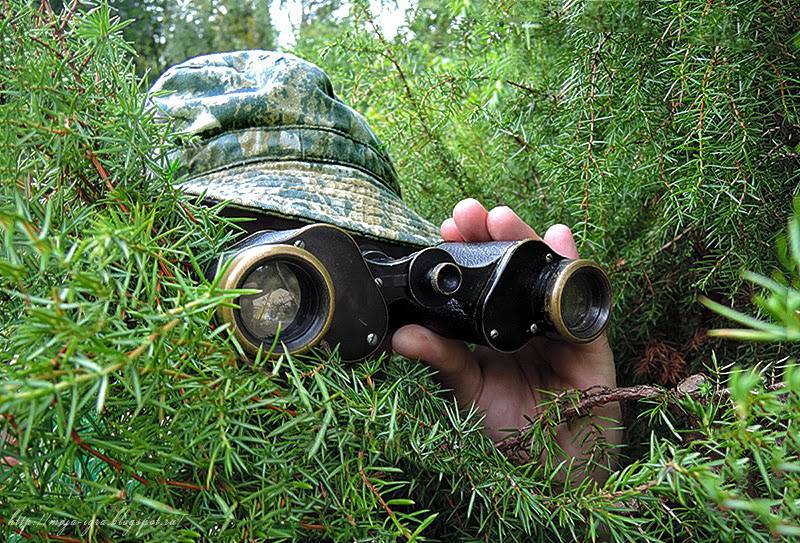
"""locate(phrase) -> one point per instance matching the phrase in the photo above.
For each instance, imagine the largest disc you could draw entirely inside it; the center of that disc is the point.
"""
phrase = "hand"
(510, 387)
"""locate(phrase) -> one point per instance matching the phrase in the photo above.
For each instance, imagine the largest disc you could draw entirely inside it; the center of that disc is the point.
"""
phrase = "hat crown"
(248, 106)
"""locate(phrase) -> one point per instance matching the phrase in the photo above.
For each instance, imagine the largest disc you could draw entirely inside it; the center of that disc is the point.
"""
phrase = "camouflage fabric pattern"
(265, 131)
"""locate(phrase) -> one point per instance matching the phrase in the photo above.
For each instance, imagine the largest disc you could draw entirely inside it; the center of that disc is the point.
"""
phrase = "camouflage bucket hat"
(272, 137)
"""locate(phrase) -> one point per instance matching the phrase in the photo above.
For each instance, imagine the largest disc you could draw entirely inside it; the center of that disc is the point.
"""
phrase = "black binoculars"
(316, 286)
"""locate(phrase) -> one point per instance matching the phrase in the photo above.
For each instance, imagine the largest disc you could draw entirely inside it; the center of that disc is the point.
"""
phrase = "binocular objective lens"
(581, 302)
(275, 308)
(293, 301)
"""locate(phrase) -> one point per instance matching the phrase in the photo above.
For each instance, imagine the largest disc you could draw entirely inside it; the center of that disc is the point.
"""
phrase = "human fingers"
(559, 238)
(505, 225)
(470, 218)
(457, 368)
(450, 231)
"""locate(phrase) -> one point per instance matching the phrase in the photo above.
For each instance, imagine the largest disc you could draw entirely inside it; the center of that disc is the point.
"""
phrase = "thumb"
(457, 366)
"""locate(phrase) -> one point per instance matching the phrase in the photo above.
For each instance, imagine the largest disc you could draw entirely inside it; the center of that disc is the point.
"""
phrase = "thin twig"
(597, 396)
(68, 15)
(453, 168)
(118, 466)
(368, 483)
(596, 57)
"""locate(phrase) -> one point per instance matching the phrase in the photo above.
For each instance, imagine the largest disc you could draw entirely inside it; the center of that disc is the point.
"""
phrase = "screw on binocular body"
(534, 328)
(494, 334)
(379, 282)
(299, 244)
(548, 257)
(372, 339)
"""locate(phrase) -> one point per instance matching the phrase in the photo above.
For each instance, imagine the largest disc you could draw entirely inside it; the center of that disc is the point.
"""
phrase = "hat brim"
(328, 193)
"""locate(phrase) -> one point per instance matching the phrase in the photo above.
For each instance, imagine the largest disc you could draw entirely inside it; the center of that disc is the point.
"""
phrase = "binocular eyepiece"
(316, 286)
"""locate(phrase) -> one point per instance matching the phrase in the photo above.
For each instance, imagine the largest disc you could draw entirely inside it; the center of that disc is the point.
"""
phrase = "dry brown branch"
(576, 404)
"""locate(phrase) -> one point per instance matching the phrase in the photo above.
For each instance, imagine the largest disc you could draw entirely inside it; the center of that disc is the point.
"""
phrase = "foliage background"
(665, 134)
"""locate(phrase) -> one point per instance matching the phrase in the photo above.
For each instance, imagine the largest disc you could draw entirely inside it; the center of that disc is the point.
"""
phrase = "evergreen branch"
(455, 170)
(525, 88)
(67, 17)
(573, 404)
(596, 57)
(406, 533)
(118, 466)
(9, 388)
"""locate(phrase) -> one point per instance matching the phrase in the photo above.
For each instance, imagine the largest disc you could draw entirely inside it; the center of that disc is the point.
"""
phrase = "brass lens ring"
(250, 259)
(445, 278)
(554, 298)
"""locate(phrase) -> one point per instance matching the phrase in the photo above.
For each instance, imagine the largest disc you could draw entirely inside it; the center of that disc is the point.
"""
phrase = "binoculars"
(316, 286)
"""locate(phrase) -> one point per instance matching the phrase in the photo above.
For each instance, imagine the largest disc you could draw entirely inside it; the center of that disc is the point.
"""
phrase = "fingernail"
(504, 208)
(469, 201)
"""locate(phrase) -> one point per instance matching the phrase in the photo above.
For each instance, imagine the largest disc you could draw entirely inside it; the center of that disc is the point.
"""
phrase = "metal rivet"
(379, 282)
(548, 257)
(372, 339)
(494, 334)
(300, 243)
(534, 328)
